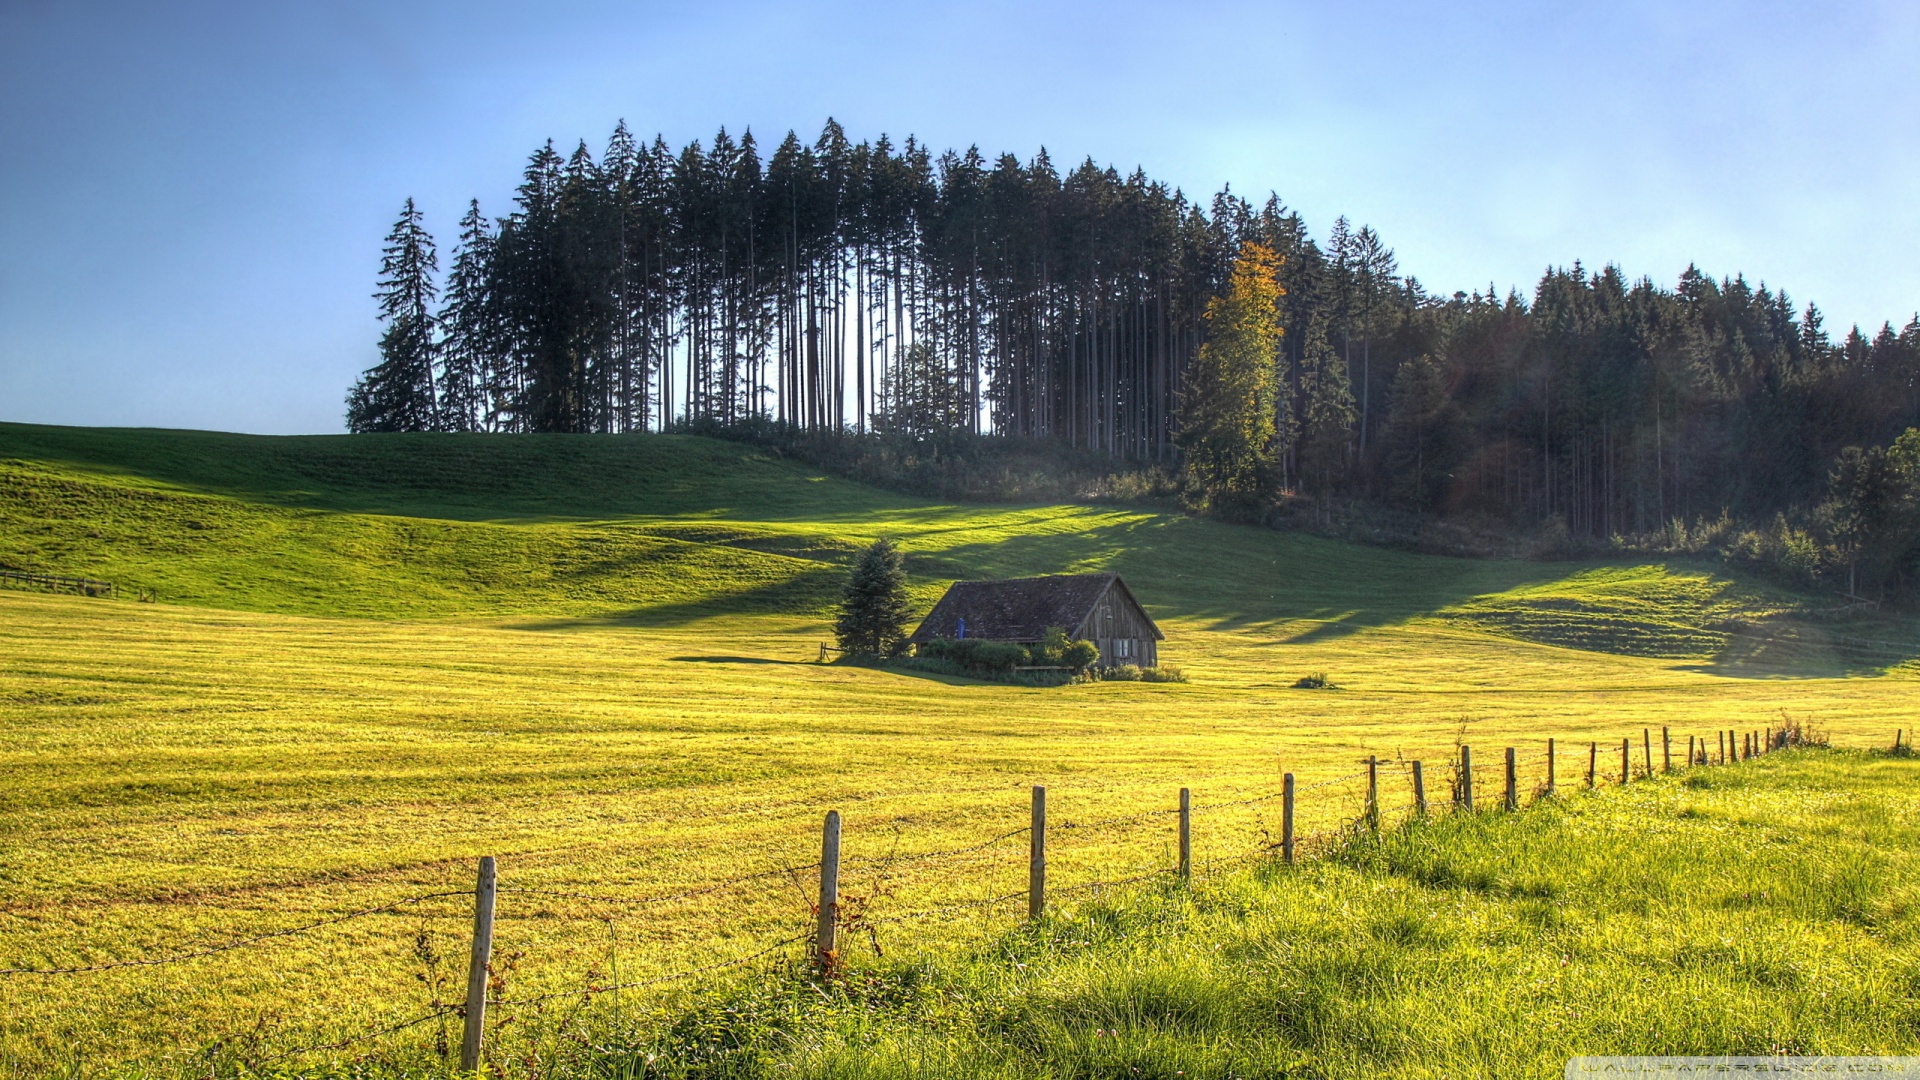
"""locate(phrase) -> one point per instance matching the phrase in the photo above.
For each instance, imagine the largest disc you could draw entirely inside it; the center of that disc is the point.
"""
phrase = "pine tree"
(398, 394)
(469, 356)
(1327, 435)
(874, 611)
(1374, 268)
(1419, 429)
(1227, 407)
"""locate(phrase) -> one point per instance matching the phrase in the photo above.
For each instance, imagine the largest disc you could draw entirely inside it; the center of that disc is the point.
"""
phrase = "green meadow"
(368, 660)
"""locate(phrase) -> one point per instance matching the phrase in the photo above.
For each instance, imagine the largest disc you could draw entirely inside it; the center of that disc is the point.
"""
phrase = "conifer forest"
(875, 287)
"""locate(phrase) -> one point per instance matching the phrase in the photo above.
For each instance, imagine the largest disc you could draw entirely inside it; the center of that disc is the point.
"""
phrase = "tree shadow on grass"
(808, 592)
(1786, 649)
(1240, 577)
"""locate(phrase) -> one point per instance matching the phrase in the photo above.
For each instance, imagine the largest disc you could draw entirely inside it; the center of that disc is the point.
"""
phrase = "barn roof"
(1021, 609)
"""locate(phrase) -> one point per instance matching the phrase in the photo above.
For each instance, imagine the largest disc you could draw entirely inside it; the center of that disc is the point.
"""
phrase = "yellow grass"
(181, 776)
(625, 703)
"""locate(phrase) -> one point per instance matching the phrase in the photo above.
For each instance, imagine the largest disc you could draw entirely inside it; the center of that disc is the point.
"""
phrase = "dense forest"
(878, 289)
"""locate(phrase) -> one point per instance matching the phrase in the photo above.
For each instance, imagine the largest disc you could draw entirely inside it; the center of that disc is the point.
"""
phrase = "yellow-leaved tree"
(1228, 399)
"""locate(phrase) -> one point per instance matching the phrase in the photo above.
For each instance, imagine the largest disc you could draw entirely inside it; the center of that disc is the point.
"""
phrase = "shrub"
(1316, 681)
(1056, 649)
(1080, 655)
(1052, 643)
(976, 657)
(1133, 673)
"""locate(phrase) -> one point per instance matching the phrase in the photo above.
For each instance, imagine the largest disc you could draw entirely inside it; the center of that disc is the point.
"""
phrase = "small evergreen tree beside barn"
(874, 612)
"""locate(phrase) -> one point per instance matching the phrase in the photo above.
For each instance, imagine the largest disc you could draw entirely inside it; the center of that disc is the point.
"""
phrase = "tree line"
(881, 288)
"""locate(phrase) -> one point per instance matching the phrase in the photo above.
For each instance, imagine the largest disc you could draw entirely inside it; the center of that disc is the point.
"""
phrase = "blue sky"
(193, 195)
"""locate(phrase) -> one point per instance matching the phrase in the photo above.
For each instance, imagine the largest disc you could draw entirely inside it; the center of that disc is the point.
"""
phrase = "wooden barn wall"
(1114, 616)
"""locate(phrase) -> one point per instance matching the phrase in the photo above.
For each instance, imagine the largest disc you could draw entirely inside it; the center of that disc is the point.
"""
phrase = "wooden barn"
(1094, 607)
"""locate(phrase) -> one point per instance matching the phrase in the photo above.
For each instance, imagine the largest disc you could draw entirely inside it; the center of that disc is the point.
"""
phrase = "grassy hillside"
(457, 476)
(370, 663)
(667, 529)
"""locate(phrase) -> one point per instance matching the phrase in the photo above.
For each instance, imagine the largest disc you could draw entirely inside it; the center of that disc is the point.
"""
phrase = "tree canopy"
(860, 286)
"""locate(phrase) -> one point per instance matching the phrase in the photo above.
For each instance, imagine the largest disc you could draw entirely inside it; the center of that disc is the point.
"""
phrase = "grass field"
(373, 659)
(1769, 908)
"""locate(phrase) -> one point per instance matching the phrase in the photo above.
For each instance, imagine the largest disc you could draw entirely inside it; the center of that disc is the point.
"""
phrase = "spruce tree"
(874, 611)
(397, 394)
(1419, 432)
(1328, 431)
(468, 363)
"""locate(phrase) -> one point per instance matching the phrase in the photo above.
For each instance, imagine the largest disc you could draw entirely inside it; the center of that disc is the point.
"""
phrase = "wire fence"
(1238, 831)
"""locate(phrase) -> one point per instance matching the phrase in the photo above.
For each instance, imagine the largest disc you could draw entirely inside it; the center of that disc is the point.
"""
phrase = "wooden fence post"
(1373, 792)
(1186, 834)
(1553, 766)
(1286, 818)
(1513, 782)
(477, 963)
(1646, 746)
(1723, 748)
(1419, 791)
(1037, 856)
(1593, 766)
(1626, 762)
(1690, 762)
(1666, 749)
(826, 939)
(1466, 777)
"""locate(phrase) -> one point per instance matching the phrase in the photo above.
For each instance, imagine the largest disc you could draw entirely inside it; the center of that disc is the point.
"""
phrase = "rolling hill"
(371, 659)
(665, 529)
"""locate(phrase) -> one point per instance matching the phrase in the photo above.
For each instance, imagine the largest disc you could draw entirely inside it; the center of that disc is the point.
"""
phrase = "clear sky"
(193, 195)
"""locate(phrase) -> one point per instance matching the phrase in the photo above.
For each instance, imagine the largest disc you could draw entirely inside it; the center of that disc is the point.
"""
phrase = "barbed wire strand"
(365, 1036)
(655, 981)
(703, 890)
(237, 943)
(892, 860)
(1113, 882)
(912, 916)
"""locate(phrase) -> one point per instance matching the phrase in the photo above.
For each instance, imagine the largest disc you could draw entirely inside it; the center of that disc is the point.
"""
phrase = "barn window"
(1122, 648)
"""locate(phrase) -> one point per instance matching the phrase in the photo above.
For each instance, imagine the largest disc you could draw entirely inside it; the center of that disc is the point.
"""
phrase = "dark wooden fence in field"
(827, 920)
(79, 586)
